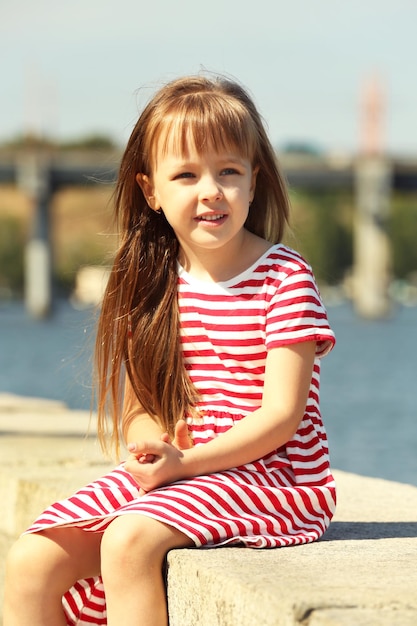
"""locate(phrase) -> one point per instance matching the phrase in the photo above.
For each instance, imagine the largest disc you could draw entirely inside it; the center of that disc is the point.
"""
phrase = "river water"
(368, 393)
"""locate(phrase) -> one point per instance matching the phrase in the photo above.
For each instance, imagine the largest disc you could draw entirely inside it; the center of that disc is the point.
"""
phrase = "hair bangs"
(207, 121)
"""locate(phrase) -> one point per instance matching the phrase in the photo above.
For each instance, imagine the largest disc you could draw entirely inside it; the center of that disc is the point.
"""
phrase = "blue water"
(368, 394)
(48, 359)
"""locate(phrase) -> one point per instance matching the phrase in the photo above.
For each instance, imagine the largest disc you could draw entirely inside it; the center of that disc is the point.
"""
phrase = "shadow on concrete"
(370, 530)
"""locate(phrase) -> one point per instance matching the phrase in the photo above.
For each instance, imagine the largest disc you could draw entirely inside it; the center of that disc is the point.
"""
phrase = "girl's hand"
(154, 463)
(181, 441)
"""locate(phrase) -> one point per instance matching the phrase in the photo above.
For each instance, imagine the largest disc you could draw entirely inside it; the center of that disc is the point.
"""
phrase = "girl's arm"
(287, 381)
(136, 423)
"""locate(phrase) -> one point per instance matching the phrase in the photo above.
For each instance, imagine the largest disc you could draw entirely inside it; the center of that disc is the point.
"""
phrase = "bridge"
(307, 172)
(371, 178)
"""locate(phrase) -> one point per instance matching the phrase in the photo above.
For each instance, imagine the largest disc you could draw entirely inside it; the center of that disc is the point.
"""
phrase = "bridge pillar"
(373, 183)
(372, 262)
(33, 179)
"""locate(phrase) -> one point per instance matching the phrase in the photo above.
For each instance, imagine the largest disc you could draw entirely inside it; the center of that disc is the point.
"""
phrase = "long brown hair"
(138, 329)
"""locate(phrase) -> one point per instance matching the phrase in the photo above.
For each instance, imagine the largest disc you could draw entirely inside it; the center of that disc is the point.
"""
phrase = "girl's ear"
(147, 187)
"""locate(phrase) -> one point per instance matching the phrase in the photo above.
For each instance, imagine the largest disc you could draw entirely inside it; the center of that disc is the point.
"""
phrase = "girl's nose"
(210, 191)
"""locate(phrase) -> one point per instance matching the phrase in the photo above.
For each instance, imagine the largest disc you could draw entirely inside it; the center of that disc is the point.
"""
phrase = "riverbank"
(361, 573)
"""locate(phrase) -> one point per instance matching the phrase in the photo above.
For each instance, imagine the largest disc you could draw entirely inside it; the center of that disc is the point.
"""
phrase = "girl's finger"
(146, 458)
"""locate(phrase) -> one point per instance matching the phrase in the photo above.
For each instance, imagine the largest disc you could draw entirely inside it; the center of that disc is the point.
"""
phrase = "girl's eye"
(228, 171)
(185, 175)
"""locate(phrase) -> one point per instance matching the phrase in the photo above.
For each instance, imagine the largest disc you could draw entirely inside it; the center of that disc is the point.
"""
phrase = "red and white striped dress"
(285, 498)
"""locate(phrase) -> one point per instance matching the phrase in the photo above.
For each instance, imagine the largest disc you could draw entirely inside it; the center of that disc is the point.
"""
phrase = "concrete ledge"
(362, 573)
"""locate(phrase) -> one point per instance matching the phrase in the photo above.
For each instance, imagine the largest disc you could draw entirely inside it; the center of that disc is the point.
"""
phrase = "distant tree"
(29, 141)
(402, 229)
(89, 142)
(11, 254)
(322, 232)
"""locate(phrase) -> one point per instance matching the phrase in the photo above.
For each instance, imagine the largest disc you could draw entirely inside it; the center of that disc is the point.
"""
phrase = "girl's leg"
(133, 550)
(40, 568)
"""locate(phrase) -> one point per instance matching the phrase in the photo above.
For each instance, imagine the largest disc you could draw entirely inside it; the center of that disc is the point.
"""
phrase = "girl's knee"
(54, 559)
(131, 539)
(24, 555)
(124, 535)
(25, 566)
(34, 583)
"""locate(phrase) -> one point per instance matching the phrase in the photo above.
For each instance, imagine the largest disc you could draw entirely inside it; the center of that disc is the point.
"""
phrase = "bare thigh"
(79, 547)
(58, 556)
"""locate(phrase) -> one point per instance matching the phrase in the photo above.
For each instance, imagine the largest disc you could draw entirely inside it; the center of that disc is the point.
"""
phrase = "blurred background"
(333, 81)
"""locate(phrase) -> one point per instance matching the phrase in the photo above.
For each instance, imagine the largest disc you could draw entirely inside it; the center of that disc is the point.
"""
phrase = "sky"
(81, 67)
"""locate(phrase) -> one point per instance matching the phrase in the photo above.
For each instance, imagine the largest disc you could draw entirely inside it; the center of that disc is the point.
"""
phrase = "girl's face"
(205, 197)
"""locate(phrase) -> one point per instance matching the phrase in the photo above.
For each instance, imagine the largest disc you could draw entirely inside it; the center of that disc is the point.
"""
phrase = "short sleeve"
(296, 313)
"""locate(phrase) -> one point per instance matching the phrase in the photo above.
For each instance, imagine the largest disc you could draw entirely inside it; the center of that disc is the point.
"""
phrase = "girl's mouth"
(211, 217)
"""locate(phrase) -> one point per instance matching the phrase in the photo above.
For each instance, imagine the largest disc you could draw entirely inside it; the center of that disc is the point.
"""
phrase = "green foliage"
(78, 254)
(11, 254)
(322, 233)
(29, 142)
(402, 229)
(89, 142)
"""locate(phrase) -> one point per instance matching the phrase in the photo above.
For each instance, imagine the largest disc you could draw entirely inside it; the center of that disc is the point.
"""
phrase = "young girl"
(207, 356)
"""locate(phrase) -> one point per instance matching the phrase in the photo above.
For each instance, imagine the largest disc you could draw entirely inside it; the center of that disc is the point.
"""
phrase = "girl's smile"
(213, 218)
